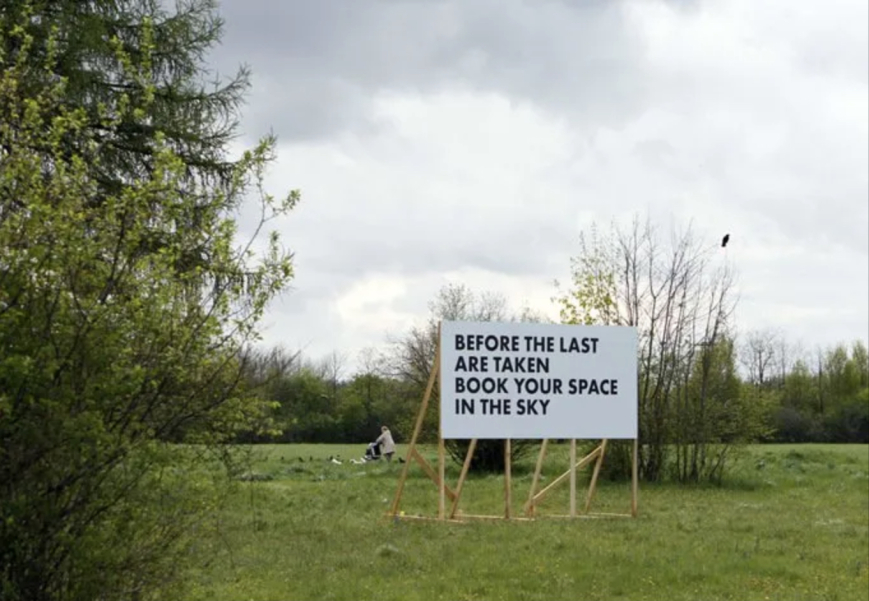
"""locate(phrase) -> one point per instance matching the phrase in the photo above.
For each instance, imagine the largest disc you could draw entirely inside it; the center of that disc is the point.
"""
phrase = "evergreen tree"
(124, 323)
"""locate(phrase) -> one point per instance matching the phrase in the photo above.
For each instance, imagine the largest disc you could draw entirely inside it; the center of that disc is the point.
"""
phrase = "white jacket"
(385, 440)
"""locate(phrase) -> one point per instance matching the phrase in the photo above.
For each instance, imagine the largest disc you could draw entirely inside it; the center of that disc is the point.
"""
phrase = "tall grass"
(791, 522)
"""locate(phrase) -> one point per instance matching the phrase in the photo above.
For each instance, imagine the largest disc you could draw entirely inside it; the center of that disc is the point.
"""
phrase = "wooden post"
(442, 505)
(435, 369)
(529, 506)
(465, 467)
(594, 475)
(508, 486)
(441, 484)
(431, 473)
(579, 464)
(573, 477)
(634, 477)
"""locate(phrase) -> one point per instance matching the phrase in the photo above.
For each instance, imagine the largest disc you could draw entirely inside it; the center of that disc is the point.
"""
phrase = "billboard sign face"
(536, 381)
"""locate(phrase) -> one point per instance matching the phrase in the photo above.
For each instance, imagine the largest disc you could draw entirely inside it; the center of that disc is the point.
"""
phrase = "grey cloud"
(311, 107)
(654, 152)
(522, 247)
(317, 64)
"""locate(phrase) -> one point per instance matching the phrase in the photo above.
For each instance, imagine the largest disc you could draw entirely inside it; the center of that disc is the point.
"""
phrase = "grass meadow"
(791, 522)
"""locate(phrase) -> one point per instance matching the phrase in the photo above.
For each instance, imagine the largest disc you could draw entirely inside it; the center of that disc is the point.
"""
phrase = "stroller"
(372, 452)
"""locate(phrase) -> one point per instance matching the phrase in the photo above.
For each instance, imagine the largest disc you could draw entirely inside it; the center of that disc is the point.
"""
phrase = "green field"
(792, 522)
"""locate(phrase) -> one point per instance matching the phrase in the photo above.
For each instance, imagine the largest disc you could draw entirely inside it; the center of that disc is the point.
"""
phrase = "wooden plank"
(441, 483)
(594, 475)
(572, 477)
(429, 470)
(635, 478)
(588, 516)
(462, 520)
(425, 518)
(492, 517)
(465, 467)
(529, 505)
(435, 369)
(508, 485)
(580, 464)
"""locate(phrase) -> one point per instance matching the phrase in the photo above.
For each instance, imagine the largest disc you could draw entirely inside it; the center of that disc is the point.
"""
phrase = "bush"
(849, 423)
(793, 426)
(489, 453)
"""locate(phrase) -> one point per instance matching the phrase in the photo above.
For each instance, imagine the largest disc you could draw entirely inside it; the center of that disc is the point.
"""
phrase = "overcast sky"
(471, 141)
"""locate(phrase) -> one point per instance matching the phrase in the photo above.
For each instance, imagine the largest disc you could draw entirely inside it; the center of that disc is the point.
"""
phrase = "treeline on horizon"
(819, 396)
(705, 389)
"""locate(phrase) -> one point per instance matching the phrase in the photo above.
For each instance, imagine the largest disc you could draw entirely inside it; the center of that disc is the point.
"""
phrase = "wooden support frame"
(597, 455)
(534, 496)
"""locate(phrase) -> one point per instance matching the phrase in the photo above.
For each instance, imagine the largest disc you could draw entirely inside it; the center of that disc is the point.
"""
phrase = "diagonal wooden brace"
(529, 507)
(431, 473)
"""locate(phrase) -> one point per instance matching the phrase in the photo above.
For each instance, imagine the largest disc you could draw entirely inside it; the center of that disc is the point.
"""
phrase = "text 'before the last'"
(525, 344)
(536, 379)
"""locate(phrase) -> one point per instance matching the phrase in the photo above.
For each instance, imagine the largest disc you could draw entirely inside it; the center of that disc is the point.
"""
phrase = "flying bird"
(725, 240)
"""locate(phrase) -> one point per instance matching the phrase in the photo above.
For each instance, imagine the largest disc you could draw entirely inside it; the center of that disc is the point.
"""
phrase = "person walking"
(386, 442)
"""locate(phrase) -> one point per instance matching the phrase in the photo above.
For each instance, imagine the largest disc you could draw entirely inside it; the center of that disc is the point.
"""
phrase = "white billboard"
(535, 381)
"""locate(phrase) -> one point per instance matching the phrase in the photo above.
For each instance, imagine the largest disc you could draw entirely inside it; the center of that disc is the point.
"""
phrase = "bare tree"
(761, 352)
(787, 354)
(334, 365)
(413, 353)
(681, 303)
(331, 368)
(412, 356)
(680, 306)
(371, 362)
(821, 379)
(262, 367)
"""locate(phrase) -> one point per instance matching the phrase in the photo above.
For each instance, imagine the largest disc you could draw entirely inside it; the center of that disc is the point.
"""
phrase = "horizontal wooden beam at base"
(555, 516)
(460, 519)
(494, 517)
(584, 516)
(424, 518)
